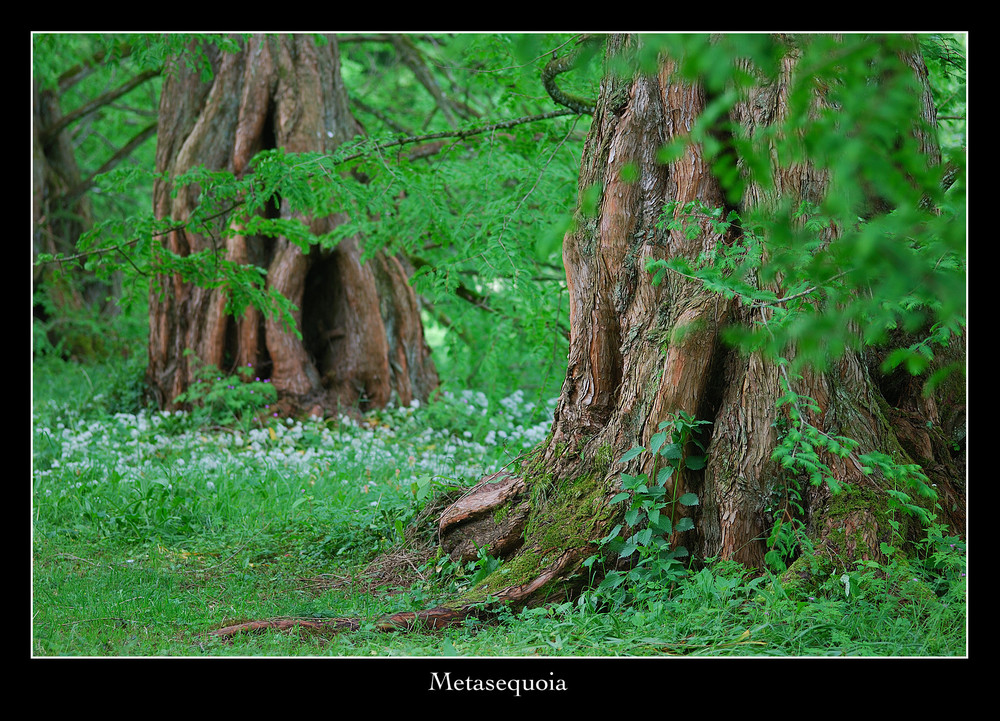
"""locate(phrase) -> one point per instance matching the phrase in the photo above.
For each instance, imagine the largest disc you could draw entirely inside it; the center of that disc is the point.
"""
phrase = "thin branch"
(807, 291)
(378, 114)
(120, 155)
(79, 71)
(377, 148)
(412, 59)
(50, 132)
(128, 244)
(558, 66)
(129, 260)
(374, 38)
(467, 133)
(537, 181)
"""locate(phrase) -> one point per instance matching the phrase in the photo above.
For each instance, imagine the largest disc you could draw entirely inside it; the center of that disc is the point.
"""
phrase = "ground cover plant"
(151, 529)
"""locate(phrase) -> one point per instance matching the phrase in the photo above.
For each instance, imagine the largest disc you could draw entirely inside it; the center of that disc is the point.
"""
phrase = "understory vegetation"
(152, 529)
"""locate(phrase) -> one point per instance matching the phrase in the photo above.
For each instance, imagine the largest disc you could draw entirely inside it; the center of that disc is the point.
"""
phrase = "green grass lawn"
(152, 529)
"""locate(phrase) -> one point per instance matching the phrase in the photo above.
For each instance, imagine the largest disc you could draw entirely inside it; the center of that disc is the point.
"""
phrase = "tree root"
(288, 624)
(431, 619)
(437, 618)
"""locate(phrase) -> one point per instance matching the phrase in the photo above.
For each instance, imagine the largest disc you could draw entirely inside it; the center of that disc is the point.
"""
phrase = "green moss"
(603, 458)
(565, 515)
(802, 577)
(813, 567)
(501, 513)
(854, 499)
(539, 489)
(681, 332)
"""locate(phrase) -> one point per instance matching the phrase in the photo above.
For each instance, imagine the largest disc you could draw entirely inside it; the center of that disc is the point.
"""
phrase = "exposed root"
(334, 625)
(436, 618)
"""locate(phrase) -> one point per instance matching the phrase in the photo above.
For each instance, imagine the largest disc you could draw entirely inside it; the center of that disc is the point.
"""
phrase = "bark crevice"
(362, 340)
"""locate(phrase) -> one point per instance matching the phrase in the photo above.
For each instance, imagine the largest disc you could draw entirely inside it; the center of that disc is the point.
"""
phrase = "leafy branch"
(59, 258)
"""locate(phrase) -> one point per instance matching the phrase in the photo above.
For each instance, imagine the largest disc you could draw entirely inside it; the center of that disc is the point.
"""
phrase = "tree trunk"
(362, 340)
(641, 352)
(58, 224)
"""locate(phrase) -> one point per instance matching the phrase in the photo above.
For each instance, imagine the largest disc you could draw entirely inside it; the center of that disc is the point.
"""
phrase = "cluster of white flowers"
(393, 443)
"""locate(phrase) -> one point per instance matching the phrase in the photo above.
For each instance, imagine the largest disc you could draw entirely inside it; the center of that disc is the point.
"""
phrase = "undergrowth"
(151, 529)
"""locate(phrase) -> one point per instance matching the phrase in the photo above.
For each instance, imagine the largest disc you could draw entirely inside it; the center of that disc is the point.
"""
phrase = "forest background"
(151, 527)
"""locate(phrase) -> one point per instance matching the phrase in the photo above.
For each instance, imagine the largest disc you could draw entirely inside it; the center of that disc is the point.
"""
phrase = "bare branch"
(467, 133)
(412, 59)
(558, 66)
(82, 69)
(48, 133)
(120, 155)
(128, 244)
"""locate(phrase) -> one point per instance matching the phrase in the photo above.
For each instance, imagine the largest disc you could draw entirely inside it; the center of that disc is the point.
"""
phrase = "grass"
(151, 529)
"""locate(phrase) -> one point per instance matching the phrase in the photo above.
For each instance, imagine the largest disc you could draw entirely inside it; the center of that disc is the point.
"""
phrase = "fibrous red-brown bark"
(362, 339)
(641, 352)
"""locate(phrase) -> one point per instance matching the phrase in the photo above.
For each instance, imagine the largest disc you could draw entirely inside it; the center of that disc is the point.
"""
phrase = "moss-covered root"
(510, 597)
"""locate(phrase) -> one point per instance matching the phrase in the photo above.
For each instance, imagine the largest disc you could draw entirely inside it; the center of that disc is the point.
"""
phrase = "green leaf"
(672, 451)
(663, 475)
(628, 550)
(629, 455)
(636, 484)
(620, 497)
(611, 536)
(662, 525)
(695, 462)
(684, 524)
(688, 499)
(657, 440)
(613, 580)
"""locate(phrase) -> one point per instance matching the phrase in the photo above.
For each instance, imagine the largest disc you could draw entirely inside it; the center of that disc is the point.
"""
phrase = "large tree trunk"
(362, 339)
(641, 352)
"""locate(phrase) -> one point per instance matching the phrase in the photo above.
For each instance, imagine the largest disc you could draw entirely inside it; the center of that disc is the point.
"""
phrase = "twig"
(538, 179)
(376, 148)
(807, 291)
(467, 133)
(48, 133)
(558, 66)
(121, 154)
(118, 248)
